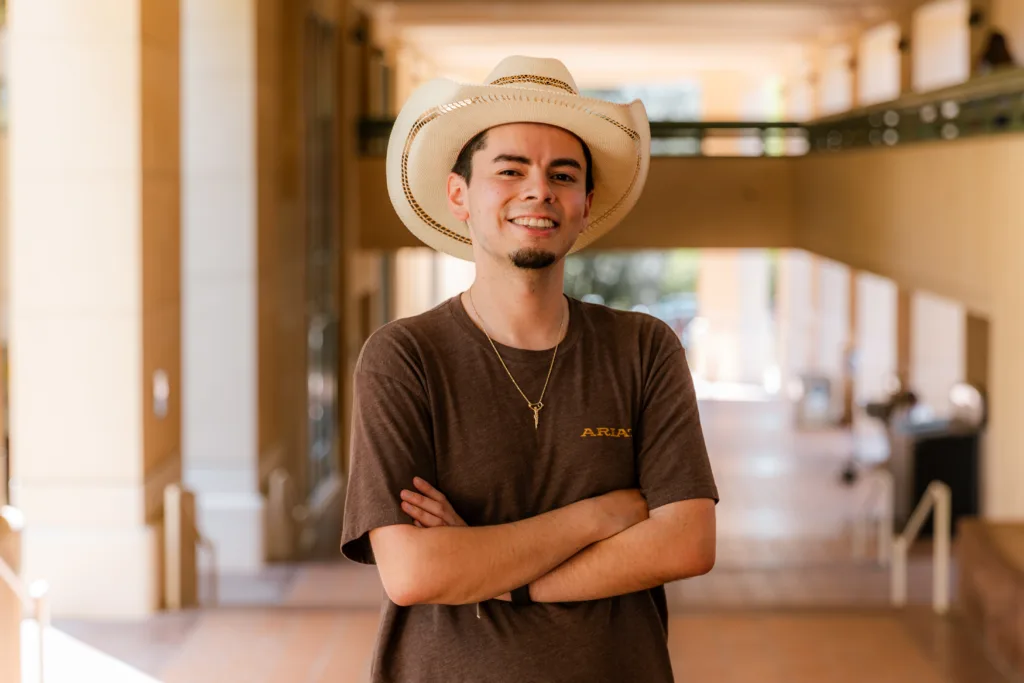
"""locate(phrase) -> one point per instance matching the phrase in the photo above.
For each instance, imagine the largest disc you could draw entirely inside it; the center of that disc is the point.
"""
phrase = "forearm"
(463, 565)
(651, 553)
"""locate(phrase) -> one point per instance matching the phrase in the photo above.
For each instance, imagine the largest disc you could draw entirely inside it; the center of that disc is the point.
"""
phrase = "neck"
(527, 311)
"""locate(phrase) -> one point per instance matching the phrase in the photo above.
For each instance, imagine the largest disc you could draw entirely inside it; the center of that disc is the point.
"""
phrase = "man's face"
(526, 201)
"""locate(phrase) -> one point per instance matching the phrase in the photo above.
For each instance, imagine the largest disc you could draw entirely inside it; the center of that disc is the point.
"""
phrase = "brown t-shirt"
(432, 400)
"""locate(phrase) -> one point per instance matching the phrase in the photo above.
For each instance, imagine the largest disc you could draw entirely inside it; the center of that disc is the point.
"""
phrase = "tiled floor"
(778, 646)
(785, 602)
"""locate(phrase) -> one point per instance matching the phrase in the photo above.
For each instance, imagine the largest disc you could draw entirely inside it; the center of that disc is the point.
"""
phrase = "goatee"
(532, 259)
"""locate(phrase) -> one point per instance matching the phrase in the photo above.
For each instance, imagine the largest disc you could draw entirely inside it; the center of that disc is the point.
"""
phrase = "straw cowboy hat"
(441, 116)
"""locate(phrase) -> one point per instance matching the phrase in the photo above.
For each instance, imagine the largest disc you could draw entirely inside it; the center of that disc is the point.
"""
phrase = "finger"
(428, 490)
(422, 516)
(432, 506)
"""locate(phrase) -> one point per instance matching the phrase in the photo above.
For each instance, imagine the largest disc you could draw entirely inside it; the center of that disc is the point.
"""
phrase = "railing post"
(3, 478)
(39, 591)
(11, 609)
(280, 502)
(180, 575)
(885, 519)
(899, 572)
(940, 547)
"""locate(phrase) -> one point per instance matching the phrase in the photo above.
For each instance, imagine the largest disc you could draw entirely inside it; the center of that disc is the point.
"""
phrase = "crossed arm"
(596, 548)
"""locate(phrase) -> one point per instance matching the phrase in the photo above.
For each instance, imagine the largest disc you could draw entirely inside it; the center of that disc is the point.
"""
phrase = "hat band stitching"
(537, 80)
(440, 110)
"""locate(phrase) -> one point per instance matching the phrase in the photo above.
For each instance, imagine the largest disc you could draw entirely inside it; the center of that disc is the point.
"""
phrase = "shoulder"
(398, 347)
(651, 336)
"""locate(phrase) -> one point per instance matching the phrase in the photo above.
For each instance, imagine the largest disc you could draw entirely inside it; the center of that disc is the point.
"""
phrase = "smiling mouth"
(534, 223)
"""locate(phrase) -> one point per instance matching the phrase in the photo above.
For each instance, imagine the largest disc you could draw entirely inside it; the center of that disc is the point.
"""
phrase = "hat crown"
(533, 72)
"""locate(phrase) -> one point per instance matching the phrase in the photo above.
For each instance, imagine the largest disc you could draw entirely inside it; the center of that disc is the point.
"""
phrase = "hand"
(621, 509)
(429, 508)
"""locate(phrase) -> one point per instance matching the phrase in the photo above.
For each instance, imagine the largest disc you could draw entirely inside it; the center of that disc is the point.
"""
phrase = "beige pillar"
(220, 275)
(1004, 448)
(937, 349)
(941, 44)
(796, 315)
(875, 326)
(879, 64)
(95, 323)
(733, 297)
(414, 281)
(837, 86)
(876, 333)
(831, 287)
(723, 96)
(11, 607)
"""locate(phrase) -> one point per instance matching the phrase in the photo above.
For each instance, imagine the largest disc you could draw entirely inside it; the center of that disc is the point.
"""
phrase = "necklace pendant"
(535, 407)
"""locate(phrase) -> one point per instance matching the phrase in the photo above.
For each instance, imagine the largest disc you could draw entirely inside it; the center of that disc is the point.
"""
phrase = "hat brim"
(442, 116)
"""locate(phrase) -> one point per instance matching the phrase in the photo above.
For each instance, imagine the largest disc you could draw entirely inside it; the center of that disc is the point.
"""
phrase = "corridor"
(785, 592)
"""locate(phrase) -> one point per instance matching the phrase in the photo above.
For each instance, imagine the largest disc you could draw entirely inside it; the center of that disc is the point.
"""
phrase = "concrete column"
(941, 44)
(95, 312)
(837, 89)
(832, 318)
(938, 342)
(414, 280)
(1003, 463)
(876, 343)
(733, 297)
(219, 277)
(723, 98)
(879, 64)
(796, 315)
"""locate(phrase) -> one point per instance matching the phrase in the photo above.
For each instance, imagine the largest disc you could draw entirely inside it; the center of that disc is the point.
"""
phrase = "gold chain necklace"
(535, 407)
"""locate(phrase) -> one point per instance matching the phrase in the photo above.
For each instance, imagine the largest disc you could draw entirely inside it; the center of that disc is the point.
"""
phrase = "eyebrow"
(516, 159)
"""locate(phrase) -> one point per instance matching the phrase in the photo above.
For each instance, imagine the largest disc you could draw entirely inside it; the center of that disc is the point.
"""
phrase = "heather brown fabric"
(432, 400)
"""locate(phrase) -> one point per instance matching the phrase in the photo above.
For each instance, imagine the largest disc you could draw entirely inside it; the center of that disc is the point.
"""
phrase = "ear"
(586, 208)
(458, 197)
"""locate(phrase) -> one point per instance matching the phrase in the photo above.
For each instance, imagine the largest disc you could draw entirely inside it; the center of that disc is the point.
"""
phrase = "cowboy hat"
(441, 116)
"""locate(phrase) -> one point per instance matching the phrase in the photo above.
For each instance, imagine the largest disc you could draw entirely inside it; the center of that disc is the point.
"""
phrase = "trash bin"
(949, 453)
(947, 450)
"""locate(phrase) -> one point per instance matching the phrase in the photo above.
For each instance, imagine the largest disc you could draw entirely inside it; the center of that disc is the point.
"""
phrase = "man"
(527, 470)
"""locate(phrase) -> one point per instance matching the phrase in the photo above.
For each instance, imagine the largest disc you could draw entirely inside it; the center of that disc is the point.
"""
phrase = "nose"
(537, 188)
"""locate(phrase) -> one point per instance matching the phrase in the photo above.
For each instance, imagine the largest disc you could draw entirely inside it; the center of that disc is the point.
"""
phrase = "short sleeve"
(391, 442)
(672, 458)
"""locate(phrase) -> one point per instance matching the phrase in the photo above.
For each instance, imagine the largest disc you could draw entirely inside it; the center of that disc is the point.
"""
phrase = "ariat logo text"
(608, 431)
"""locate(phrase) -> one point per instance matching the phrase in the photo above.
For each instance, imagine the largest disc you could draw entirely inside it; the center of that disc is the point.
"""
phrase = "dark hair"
(464, 164)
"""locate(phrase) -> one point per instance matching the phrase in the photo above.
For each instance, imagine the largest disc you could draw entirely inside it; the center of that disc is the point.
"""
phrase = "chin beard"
(532, 259)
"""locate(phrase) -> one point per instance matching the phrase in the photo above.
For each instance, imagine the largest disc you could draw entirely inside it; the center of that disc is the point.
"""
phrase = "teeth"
(534, 222)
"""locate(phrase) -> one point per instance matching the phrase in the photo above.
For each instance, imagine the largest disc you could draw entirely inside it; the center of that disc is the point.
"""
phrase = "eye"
(564, 178)
(508, 172)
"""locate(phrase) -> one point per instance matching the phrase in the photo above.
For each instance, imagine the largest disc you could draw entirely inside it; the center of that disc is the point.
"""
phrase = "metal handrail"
(175, 525)
(877, 505)
(34, 597)
(938, 499)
